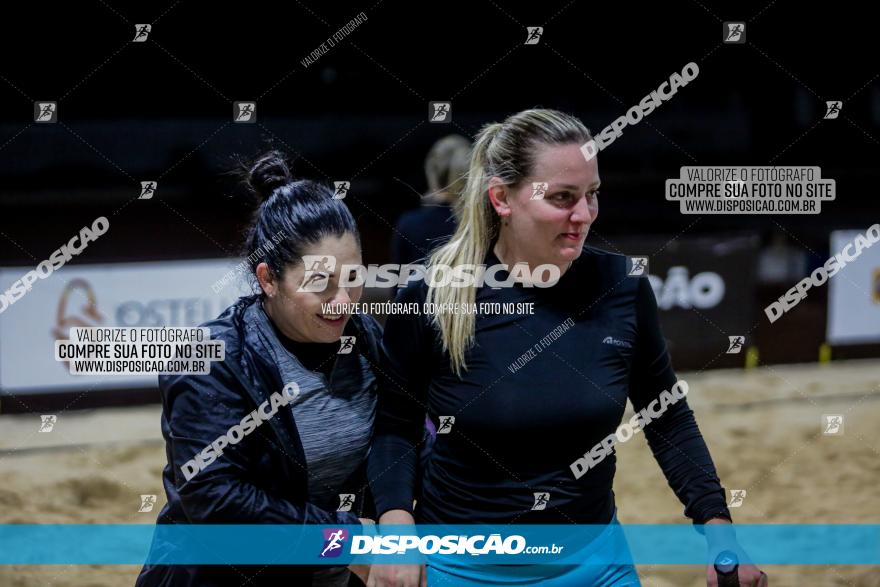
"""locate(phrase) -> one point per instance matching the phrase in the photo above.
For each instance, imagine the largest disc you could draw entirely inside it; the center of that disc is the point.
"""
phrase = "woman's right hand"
(397, 575)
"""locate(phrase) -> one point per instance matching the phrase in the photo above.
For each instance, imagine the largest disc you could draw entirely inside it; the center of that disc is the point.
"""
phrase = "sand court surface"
(764, 428)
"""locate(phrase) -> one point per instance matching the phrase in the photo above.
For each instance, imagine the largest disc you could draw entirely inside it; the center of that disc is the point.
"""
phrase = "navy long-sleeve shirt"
(523, 417)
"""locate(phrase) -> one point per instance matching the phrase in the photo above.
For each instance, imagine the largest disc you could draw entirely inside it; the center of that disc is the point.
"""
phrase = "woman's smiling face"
(295, 302)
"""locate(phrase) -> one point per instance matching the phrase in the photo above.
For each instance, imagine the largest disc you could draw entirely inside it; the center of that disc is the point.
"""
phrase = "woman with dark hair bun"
(302, 402)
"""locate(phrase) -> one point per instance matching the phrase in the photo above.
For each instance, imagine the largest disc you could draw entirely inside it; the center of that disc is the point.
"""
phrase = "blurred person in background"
(302, 457)
(510, 456)
(780, 262)
(421, 230)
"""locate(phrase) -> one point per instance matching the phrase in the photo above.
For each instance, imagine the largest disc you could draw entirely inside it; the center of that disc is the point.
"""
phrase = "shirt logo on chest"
(617, 342)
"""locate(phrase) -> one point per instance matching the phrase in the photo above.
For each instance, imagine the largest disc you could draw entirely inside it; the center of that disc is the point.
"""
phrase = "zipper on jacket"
(329, 380)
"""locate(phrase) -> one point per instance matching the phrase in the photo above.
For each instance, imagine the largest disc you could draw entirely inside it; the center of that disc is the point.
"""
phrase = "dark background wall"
(162, 110)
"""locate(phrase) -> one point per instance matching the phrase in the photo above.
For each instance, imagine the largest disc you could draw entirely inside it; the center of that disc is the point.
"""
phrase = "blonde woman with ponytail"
(521, 390)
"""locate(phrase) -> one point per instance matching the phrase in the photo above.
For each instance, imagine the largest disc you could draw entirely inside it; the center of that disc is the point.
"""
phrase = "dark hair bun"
(267, 173)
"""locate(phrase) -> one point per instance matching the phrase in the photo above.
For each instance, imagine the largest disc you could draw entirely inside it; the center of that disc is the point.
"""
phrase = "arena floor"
(762, 426)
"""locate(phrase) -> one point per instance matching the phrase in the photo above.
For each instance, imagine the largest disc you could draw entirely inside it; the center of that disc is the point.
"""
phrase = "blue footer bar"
(656, 544)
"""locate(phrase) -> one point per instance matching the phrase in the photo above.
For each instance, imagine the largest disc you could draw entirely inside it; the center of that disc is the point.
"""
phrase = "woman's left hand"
(749, 576)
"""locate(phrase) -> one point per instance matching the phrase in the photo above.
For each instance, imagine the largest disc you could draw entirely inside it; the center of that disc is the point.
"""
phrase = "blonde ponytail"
(477, 224)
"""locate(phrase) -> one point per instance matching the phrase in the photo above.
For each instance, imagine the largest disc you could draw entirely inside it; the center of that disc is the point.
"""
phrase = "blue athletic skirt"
(608, 545)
